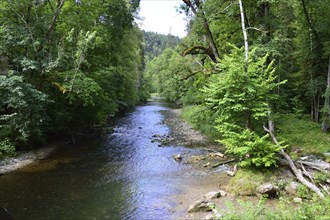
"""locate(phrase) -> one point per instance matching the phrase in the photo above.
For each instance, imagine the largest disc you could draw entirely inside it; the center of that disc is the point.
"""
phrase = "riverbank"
(245, 191)
(208, 179)
(24, 158)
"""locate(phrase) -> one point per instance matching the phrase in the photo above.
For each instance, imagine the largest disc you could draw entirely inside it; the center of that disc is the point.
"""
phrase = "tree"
(196, 8)
(239, 95)
(326, 108)
(86, 56)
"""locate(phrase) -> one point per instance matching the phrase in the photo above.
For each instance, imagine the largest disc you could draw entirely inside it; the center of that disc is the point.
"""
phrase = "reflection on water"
(124, 176)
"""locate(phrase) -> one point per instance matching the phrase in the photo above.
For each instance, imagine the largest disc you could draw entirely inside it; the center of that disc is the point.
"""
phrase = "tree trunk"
(246, 43)
(326, 114)
(208, 35)
(299, 175)
(271, 124)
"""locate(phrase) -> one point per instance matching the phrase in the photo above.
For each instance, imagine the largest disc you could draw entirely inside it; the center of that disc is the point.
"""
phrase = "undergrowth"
(303, 133)
(202, 119)
(314, 209)
(246, 181)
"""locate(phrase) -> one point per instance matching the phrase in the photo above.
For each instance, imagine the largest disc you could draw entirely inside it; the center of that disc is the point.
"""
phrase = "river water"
(126, 175)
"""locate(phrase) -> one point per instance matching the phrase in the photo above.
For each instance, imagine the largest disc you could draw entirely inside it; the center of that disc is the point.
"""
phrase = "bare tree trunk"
(246, 43)
(326, 115)
(271, 124)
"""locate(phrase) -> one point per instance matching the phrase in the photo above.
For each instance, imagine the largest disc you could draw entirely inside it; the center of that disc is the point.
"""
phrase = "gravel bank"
(25, 158)
(184, 135)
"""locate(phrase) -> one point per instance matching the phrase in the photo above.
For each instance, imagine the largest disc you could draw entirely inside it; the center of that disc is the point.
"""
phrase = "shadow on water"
(124, 176)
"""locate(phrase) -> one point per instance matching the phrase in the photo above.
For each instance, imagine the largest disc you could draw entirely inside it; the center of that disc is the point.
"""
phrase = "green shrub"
(239, 96)
(251, 148)
(201, 118)
(6, 148)
(22, 110)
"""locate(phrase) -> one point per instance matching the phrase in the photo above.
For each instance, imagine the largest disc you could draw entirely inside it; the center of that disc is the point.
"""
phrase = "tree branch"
(51, 6)
(54, 19)
(193, 50)
(208, 34)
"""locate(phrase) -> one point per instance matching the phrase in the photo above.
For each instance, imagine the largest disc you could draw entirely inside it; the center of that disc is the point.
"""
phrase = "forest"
(241, 70)
(72, 66)
(252, 75)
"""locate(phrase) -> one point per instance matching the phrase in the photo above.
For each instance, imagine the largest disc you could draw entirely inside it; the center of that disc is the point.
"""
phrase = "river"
(126, 175)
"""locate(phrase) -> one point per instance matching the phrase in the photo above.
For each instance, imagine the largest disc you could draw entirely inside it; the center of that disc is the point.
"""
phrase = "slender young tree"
(246, 43)
(326, 109)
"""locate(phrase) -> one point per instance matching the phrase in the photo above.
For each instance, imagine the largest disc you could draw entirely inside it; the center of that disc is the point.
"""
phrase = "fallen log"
(295, 170)
(317, 165)
(222, 163)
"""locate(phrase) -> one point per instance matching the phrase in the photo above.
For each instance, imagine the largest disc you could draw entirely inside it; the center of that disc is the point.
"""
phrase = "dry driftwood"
(295, 170)
(319, 165)
(223, 162)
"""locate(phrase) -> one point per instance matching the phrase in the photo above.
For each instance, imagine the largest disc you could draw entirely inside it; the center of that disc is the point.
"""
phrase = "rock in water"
(201, 206)
(177, 157)
(268, 189)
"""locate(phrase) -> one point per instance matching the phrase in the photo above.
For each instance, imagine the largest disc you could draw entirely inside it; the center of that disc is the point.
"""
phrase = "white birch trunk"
(246, 43)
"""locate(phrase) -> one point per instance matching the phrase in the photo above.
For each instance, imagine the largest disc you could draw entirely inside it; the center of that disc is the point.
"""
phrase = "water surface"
(126, 175)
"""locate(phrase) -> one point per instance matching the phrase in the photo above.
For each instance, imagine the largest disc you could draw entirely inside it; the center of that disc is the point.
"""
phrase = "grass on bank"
(303, 134)
(199, 118)
(316, 209)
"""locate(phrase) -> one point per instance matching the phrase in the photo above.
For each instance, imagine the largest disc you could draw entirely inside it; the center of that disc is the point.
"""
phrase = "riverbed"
(128, 174)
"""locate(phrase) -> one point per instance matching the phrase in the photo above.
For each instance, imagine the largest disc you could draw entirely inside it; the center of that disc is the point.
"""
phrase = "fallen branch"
(325, 188)
(294, 169)
(306, 173)
(222, 163)
(316, 165)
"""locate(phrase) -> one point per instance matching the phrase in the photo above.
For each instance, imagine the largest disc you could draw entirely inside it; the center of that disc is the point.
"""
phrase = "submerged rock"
(201, 206)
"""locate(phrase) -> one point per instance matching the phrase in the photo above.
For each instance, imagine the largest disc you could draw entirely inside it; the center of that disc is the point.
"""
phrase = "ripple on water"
(125, 176)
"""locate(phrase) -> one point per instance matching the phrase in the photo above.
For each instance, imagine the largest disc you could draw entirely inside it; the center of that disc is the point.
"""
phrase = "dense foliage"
(72, 64)
(287, 70)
